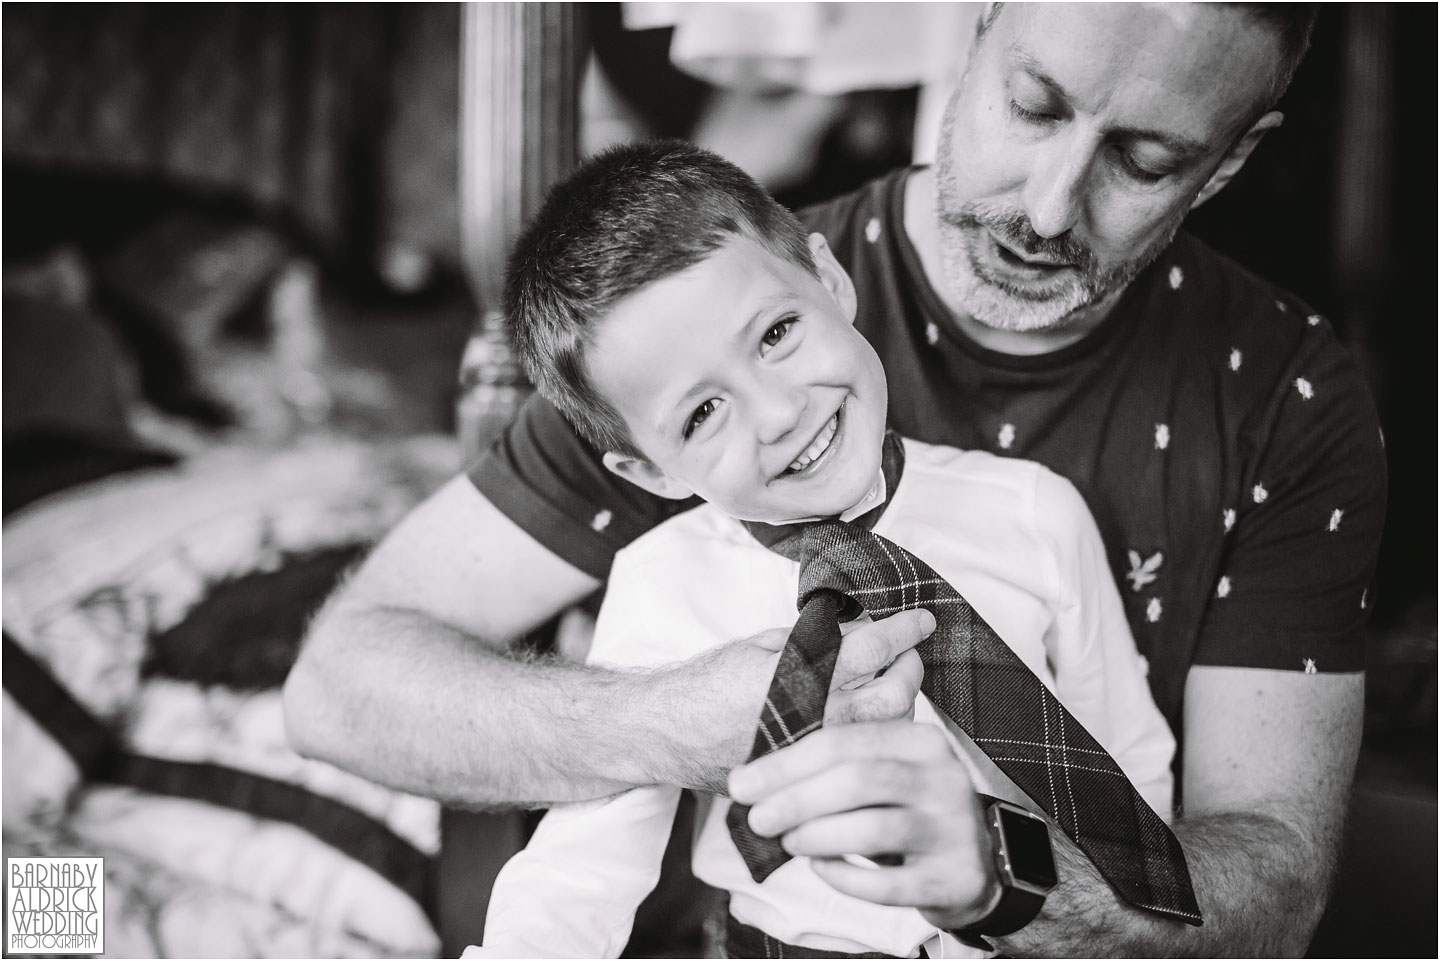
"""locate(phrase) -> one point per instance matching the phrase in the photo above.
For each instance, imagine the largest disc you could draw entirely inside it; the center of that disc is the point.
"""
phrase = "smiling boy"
(689, 328)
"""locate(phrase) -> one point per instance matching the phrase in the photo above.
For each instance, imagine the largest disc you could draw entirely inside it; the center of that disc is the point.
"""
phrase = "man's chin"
(1000, 310)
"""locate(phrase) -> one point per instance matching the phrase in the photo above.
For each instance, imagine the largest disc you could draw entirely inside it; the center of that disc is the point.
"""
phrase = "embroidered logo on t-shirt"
(1142, 572)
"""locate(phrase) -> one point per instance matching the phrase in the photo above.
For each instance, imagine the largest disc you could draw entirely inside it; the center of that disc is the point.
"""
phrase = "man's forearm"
(1261, 888)
(405, 700)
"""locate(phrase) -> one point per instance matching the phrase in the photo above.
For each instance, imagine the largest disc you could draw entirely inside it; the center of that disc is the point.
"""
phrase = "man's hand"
(406, 676)
(878, 789)
(885, 648)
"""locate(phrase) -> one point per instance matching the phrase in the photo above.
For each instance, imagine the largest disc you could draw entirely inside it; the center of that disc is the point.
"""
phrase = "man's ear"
(645, 475)
(1238, 154)
(833, 276)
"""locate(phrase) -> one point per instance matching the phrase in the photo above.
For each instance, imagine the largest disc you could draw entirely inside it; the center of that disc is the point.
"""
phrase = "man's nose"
(1054, 194)
(778, 410)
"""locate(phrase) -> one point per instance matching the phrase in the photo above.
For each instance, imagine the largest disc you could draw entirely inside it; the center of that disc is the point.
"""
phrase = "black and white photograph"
(720, 480)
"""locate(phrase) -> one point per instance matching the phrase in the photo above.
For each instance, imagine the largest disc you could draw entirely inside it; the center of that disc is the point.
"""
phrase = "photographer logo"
(55, 905)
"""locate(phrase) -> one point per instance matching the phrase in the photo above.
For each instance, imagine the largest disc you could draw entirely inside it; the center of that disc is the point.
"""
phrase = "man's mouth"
(1021, 260)
(817, 447)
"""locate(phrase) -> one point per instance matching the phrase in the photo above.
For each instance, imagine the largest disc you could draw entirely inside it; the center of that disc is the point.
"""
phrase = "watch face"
(1027, 847)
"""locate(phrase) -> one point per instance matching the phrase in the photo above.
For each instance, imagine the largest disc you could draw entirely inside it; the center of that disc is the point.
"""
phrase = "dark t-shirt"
(1221, 434)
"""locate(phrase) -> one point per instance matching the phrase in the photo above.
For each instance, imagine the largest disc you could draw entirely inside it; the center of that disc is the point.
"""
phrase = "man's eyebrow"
(1183, 147)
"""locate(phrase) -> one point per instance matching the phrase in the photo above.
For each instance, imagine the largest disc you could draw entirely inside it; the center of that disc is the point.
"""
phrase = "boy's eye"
(777, 331)
(701, 414)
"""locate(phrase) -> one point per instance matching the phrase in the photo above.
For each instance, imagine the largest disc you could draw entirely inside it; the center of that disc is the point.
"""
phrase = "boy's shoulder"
(945, 463)
(984, 489)
(700, 534)
(701, 578)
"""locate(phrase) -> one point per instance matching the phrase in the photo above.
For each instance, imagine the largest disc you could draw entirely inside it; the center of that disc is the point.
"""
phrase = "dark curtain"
(340, 120)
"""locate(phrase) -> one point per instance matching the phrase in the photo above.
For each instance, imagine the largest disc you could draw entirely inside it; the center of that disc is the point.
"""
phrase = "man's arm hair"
(407, 676)
(1248, 862)
(1269, 760)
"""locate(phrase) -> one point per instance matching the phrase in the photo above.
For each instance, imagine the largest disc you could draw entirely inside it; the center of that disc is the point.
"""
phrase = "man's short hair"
(1292, 24)
(627, 217)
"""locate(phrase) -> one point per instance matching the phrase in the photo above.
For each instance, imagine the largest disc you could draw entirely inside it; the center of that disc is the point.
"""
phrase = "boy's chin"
(836, 504)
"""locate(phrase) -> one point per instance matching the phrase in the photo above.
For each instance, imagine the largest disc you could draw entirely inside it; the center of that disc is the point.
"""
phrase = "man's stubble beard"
(1000, 306)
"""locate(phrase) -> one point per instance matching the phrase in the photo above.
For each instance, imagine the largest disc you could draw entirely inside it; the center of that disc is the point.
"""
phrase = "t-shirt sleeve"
(1295, 582)
(551, 483)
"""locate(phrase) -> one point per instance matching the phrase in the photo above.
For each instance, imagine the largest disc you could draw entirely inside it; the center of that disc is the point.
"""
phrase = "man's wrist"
(985, 906)
(1022, 872)
(719, 724)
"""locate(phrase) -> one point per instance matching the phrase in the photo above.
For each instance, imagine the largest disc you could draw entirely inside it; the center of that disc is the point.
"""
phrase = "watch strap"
(1015, 909)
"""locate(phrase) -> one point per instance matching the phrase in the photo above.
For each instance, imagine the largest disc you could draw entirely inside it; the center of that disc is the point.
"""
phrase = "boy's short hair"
(627, 217)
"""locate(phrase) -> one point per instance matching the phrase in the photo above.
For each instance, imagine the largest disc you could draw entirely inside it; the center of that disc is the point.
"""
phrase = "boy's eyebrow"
(679, 408)
(1182, 147)
(763, 309)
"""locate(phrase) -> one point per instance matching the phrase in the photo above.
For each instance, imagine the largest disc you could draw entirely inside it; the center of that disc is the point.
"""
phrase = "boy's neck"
(874, 497)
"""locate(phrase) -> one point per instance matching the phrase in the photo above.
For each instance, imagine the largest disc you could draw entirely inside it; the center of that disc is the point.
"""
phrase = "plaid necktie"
(977, 681)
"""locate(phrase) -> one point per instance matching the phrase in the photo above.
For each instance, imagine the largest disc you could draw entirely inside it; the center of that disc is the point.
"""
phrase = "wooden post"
(521, 66)
(520, 69)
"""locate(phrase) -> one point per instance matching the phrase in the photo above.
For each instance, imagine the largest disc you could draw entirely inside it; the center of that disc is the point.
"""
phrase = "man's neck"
(924, 232)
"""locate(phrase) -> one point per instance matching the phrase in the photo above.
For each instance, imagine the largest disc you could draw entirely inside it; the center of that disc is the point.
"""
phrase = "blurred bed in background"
(240, 270)
(232, 328)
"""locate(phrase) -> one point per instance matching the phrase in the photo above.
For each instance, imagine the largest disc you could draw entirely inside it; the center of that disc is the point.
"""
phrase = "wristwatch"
(1026, 868)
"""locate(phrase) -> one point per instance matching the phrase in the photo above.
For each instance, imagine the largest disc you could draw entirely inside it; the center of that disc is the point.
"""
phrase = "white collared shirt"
(1015, 539)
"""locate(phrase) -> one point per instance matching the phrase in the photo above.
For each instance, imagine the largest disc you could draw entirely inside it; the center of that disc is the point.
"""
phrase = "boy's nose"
(778, 412)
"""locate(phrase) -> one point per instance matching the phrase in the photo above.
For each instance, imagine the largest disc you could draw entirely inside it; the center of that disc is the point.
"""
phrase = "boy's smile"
(743, 380)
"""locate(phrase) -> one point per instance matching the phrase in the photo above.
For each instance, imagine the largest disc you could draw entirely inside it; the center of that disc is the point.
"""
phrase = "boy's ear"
(833, 276)
(1235, 159)
(646, 476)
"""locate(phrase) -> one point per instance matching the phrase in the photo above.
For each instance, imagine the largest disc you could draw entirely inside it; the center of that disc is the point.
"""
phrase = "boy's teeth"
(817, 446)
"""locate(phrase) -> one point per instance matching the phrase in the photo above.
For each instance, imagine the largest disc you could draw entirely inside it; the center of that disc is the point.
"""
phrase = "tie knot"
(866, 570)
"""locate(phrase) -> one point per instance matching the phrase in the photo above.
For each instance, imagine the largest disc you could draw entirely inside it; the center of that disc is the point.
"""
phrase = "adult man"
(1222, 439)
